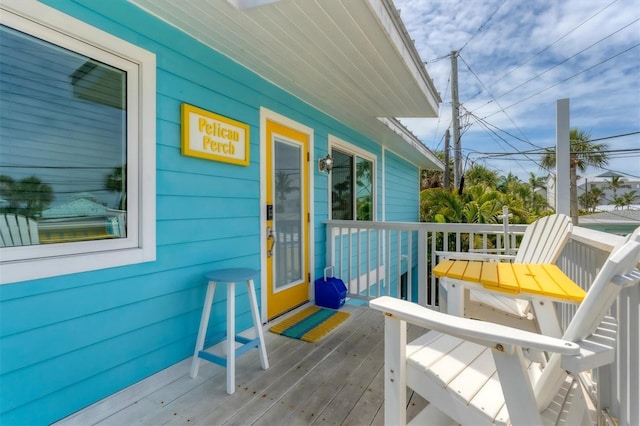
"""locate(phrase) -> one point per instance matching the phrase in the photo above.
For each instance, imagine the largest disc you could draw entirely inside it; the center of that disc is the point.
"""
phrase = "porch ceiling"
(352, 59)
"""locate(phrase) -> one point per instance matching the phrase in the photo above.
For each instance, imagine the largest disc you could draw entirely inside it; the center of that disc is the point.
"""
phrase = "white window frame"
(47, 260)
(350, 149)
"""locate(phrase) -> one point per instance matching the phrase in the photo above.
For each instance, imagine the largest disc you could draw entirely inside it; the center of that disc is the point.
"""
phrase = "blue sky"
(517, 58)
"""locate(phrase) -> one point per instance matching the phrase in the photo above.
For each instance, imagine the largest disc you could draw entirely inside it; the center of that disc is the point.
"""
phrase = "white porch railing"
(617, 386)
(395, 259)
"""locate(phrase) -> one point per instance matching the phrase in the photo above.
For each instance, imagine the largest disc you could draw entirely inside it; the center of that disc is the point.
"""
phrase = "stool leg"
(231, 338)
(202, 332)
(257, 323)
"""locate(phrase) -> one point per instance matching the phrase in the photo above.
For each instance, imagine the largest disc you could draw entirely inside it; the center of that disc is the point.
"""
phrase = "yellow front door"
(287, 218)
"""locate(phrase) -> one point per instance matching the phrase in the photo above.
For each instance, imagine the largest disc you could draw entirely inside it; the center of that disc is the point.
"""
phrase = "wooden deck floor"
(338, 380)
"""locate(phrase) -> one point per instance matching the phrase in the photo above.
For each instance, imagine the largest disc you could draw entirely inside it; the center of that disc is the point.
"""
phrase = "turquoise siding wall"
(69, 341)
(403, 204)
(402, 190)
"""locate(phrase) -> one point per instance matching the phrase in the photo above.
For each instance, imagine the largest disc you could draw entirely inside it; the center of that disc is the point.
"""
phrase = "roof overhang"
(351, 59)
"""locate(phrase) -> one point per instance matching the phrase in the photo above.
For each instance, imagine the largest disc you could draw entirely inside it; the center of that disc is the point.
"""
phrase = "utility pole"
(447, 172)
(564, 196)
(455, 104)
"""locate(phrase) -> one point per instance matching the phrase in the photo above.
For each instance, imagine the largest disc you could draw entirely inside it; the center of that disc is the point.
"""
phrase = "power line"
(435, 134)
(565, 80)
(613, 153)
(565, 60)
(439, 58)
(550, 45)
(483, 25)
(614, 136)
(495, 135)
(526, 153)
(497, 103)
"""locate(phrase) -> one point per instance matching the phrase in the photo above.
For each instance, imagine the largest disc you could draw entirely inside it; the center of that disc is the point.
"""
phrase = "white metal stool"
(230, 277)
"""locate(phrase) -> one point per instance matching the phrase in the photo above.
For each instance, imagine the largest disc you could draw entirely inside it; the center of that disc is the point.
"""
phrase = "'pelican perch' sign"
(214, 137)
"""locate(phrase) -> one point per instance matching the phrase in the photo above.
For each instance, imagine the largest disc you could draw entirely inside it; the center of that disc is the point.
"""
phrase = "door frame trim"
(269, 115)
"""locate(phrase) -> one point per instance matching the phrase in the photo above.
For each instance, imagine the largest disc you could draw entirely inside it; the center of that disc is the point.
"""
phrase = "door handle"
(271, 241)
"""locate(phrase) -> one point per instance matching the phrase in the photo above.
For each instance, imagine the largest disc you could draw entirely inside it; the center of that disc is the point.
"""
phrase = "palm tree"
(482, 206)
(441, 205)
(478, 174)
(284, 185)
(27, 196)
(8, 193)
(615, 184)
(629, 198)
(594, 196)
(116, 182)
(619, 201)
(536, 181)
(583, 153)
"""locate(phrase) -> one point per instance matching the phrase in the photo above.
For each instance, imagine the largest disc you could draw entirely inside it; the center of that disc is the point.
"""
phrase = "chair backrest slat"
(544, 239)
(603, 291)
(599, 299)
(17, 230)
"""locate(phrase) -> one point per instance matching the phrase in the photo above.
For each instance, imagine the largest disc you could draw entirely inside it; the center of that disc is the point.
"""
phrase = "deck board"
(336, 381)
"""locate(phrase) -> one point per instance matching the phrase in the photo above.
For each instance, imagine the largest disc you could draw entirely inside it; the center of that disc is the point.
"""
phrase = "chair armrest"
(484, 333)
(459, 255)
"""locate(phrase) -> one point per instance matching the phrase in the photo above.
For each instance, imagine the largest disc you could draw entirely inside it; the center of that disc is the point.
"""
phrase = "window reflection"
(351, 185)
(62, 140)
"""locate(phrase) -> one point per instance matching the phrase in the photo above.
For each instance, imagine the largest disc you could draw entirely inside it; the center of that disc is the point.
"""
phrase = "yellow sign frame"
(213, 137)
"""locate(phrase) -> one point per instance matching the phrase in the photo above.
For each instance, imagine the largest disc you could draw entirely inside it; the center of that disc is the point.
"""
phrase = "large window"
(76, 137)
(352, 185)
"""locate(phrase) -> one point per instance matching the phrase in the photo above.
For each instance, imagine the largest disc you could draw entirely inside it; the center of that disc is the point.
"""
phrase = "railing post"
(329, 254)
(505, 224)
(422, 267)
(395, 373)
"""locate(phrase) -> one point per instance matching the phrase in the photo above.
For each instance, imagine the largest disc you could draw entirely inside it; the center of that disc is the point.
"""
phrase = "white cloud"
(528, 55)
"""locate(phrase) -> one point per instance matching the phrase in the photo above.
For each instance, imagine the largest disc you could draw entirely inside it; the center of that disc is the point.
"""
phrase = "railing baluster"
(358, 260)
(632, 334)
(399, 262)
(423, 282)
(409, 264)
(378, 260)
(349, 267)
(368, 270)
(388, 264)
(339, 272)
(434, 290)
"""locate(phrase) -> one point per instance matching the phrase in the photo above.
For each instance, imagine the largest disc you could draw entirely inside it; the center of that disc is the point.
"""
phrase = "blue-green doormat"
(310, 324)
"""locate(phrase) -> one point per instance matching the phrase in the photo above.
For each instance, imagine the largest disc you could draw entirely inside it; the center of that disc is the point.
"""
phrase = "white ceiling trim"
(351, 59)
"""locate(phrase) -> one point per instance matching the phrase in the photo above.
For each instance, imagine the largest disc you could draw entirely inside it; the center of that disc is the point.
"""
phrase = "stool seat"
(230, 277)
(233, 275)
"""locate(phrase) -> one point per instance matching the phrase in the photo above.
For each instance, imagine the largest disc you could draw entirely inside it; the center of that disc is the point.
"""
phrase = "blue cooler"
(330, 291)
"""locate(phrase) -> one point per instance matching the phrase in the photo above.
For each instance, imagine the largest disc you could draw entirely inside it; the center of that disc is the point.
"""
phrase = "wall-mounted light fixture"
(325, 164)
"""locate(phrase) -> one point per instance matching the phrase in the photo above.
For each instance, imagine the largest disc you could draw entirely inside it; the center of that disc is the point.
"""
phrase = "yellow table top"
(513, 278)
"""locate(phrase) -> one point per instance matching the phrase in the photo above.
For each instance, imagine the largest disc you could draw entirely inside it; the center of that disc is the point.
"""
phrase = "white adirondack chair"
(542, 242)
(16, 230)
(475, 372)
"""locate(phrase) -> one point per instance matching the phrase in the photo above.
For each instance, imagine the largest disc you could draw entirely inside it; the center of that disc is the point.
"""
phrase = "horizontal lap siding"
(402, 189)
(72, 340)
(402, 204)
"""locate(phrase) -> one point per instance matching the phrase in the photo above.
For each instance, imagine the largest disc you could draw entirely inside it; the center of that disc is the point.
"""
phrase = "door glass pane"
(288, 214)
